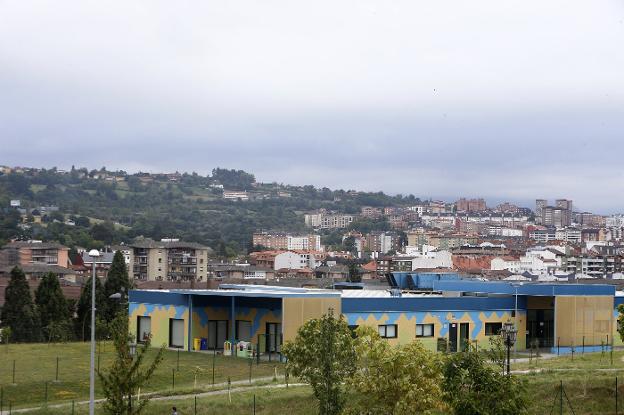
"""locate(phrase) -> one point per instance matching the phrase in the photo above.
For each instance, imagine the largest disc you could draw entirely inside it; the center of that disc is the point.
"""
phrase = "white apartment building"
(235, 195)
(298, 243)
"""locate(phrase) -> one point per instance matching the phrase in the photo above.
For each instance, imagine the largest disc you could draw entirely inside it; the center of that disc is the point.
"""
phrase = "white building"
(304, 243)
(235, 195)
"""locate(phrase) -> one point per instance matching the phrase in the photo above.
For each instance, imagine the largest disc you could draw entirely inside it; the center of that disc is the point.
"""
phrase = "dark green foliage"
(233, 179)
(474, 387)
(355, 273)
(187, 208)
(51, 302)
(127, 374)
(19, 311)
(83, 308)
(117, 281)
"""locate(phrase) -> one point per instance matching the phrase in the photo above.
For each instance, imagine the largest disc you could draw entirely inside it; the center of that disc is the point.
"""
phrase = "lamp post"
(94, 254)
(516, 285)
(509, 334)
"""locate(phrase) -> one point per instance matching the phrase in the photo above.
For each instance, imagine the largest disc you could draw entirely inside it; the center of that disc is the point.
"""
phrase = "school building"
(448, 311)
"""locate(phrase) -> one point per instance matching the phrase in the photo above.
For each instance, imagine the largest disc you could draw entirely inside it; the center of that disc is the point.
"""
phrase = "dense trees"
(83, 308)
(473, 386)
(53, 309)
(19, 312)
(117, 281)
(405, 379)
(185, 208)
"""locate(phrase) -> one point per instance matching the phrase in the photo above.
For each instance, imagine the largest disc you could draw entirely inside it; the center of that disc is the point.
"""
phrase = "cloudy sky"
(501, 99)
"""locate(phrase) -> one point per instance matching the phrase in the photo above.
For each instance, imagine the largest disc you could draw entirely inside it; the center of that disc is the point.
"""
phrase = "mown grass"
(35, 371)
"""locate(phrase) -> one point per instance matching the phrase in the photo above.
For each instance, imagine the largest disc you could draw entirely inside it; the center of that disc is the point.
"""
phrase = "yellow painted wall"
(406, 325)
(296, 311)
(160, 315)
(588, 317)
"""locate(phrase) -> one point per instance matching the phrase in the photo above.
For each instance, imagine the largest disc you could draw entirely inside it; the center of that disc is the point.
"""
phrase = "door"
(144, 331)
(273, 337)
(452, 337)
(176, 333)
(464, 336)
(217, 333)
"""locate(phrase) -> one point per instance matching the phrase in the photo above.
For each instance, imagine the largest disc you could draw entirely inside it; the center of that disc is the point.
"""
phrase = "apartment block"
(34, 252)
(285, 241)
(168, 260)
(471, 205)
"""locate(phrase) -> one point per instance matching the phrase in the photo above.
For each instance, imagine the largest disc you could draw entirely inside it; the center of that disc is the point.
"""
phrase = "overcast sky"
(495, 98)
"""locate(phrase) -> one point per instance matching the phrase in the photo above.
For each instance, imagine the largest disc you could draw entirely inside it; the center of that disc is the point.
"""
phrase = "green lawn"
(294, 400)
(35, 366)
(589, 382)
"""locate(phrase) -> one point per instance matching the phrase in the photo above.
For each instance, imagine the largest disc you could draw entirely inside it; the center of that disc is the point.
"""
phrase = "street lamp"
(509, 333)
(516, 285)
(94, 254)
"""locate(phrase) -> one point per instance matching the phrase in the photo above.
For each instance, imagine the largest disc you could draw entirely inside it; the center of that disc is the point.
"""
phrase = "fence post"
(13, 371)
(558, 339)
(195, 413)
(178, 363)
(46, 393)
(583, 350)
(57, 368)
(214, 357)
(561, 398)
(173, 379)
(98, 366)
(73, 403)
(258, 351)
(229, 393)
(254, 407)
(250, 366)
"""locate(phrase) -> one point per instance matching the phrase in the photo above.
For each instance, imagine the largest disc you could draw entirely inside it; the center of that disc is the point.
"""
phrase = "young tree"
(355, 273)
(50, 301)
(620, 321)
(127, 373)
(323, 356)
(83, 309)
(19, 311)
(117, 281)
(474, 387)
(395, 380)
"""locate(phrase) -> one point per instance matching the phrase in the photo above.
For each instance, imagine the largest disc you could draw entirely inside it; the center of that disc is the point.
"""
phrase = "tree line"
(50, 317)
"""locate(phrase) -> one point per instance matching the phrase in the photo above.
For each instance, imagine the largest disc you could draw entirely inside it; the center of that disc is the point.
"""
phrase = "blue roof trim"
(389, 304)
(157, 297)
(525, 289)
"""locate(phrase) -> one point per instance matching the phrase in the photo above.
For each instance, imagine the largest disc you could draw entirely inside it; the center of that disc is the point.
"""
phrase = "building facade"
(168, 260)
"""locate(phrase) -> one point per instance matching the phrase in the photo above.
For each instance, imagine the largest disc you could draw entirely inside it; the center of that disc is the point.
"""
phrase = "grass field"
(35, 371)
(588, 380)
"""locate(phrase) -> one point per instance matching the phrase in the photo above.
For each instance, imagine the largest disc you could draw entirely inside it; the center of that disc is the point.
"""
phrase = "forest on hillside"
(100, 207)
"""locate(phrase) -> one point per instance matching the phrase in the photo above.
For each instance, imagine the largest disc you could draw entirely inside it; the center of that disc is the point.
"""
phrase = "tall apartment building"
(382, 242)
(372, 212)
(540, 204)
(471, 205)
(558, 216)
(328, 221)
(279, 240)
(168, 259)
(34, 252)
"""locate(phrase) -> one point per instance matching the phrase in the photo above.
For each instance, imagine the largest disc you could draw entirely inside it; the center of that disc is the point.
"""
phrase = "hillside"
(100, 207)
